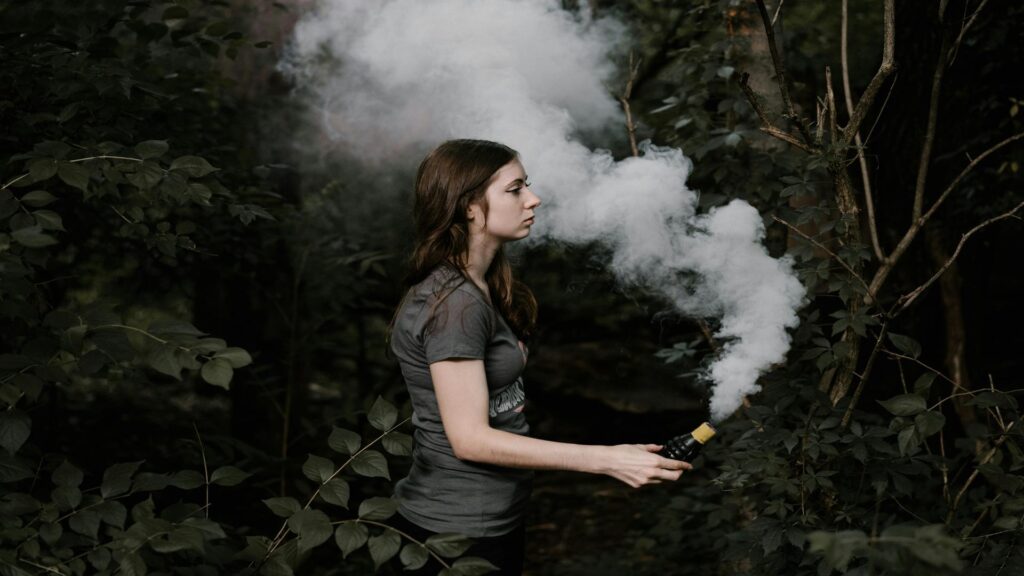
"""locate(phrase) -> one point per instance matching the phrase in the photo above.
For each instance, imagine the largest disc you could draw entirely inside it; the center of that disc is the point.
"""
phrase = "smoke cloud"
(393, 78)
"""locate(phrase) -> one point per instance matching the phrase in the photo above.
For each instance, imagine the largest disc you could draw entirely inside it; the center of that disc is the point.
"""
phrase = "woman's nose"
(532, 200)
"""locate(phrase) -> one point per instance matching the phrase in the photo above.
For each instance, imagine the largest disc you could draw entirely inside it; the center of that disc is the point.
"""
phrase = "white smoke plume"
(393, 78)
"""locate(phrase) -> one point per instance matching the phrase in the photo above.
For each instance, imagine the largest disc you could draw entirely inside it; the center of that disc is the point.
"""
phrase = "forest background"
(192, 367)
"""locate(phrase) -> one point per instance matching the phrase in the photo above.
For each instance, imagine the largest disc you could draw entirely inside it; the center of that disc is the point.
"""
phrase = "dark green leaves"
(344, 441)
(15, 427)
(449, 545)
(377, 508)
(228, 476)
(904, 404)
(350, 536)
(312, 526)
(193, 166)
(151, 149)
(74, 175)
(117, 479)
(218, 372)
(384, 547)
(372, 464)
(318, 469)
(283, 506)
(336, 492)
(383, 415)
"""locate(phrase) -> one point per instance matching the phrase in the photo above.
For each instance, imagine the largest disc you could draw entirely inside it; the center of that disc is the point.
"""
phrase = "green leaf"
(382, 414)
(132, 565)
(112, 512)
(237, 357)
(349, 537)
(15, 428)
(344, 441)
(42, 169)
(187, 479)
(228, 476)
(50, 532)
(38, 198)
(194, 166)
(904, 404)
(74, 175)
(48, 220)
(66, 497)
(397, 443)
(283, 506)
(377, 508)
(99, 558)
(163, 359)
(312, 526)
(906, 344)
(449, 544)
(371, 464)
(907, 440)
(336, 492)
(930, 422)
(218, 372)
(67, 475)
(117, 479)
(151, 149)
(317, 468)
(86, 523)
(33, 237)
(413, 556)
(471, 566)
(384, 547)
(923, 384)
(147, 175)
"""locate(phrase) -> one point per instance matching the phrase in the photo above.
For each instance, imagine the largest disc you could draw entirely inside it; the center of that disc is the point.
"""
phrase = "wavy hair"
(450, 178)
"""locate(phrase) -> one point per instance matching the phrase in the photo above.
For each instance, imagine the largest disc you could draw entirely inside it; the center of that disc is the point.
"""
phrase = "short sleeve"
(461, 327)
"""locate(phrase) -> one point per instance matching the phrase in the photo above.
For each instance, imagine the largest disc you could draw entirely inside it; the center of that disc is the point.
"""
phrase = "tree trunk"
(951, 291)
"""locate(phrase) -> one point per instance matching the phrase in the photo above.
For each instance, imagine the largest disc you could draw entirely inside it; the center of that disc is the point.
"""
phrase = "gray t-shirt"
(444, 317)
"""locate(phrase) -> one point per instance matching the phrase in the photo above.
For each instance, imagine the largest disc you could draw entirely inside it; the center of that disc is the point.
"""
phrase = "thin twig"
(767, 126)
(988, 456)
(865, 177)
(886, 267)
(778, 10)
(924, 163)
(634, 70)
(821, 246)
(907, 299)
(867, 99)
(206, 470)
(963, 30)
(103, 157)
(864, 375)
(780, 72)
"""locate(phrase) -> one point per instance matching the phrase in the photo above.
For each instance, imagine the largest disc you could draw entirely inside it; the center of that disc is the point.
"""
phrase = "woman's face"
(510, 205)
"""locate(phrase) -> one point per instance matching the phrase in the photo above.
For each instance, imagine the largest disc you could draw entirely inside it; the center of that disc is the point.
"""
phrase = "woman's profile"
(458, 335)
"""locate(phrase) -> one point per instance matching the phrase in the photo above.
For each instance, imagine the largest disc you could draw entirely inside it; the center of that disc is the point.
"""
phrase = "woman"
(458, 338)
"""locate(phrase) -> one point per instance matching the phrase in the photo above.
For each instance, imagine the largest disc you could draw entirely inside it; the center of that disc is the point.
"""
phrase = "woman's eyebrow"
(519, 180)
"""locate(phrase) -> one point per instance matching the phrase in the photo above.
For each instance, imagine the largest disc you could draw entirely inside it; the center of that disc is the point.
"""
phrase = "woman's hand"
(639, 465)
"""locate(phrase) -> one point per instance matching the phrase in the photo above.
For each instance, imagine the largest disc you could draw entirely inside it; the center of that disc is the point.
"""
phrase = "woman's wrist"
(593, 459)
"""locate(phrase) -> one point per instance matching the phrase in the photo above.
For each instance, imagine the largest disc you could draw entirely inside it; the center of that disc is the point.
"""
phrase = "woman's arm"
(462, 396)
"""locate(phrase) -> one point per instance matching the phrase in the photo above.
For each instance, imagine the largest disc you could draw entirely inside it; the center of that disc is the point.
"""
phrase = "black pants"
(505, 551)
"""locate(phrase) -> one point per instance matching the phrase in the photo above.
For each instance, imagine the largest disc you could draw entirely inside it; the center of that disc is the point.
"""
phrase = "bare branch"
(780, 71)
(824, 248)
(865, 374)
(867, 99)
(929, 135)
(963, 30)
(883, 271)
(767, 126)
(865, 177)
(984, 460)
(907, 299)
(634, 69)
(778, 10)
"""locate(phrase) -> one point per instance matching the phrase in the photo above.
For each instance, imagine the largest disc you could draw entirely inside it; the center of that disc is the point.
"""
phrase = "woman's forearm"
(491, 446)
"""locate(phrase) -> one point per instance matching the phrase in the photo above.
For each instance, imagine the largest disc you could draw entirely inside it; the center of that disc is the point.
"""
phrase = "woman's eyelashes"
(519, 189)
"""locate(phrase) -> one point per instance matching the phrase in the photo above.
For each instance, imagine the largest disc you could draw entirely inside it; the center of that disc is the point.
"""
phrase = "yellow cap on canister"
(703, 433)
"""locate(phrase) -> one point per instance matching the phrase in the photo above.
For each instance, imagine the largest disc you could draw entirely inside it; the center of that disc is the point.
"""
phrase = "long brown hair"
(450, 178)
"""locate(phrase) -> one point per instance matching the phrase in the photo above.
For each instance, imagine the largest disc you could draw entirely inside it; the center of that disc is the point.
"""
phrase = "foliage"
(802, 484)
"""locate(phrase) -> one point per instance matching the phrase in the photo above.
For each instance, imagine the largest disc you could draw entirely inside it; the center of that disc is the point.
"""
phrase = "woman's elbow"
(466, 446)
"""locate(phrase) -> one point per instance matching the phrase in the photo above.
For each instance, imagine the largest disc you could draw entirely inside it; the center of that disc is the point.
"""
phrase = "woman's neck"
(479, 256)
